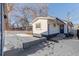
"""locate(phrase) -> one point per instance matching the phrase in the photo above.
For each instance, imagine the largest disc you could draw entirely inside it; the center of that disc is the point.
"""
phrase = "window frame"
(38, 25)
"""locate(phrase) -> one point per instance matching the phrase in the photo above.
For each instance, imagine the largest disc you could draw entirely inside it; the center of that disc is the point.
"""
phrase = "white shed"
(47, 26)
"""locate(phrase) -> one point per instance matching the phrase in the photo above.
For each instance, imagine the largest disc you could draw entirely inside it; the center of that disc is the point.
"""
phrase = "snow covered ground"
(15, 39)
(63, 48)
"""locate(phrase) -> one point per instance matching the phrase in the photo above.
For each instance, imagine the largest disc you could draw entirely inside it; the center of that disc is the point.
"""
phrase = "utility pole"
(1, 28)
(68, 18)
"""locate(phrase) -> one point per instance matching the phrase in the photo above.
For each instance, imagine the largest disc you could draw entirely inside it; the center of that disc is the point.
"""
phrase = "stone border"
(32, 43)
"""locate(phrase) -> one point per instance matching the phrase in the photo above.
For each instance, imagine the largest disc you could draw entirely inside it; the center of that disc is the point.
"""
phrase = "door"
(61, 28)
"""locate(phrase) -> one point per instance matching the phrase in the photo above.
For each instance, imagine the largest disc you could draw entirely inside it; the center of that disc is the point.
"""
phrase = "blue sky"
(61, 9)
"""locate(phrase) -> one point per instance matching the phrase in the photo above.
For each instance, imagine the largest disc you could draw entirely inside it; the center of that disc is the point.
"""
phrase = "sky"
(61, 10)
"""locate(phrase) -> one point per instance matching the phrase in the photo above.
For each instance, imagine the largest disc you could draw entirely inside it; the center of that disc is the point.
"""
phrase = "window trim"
(38, 25)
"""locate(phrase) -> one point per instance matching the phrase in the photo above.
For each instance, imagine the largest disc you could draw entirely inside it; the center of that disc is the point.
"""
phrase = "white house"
(47, 26)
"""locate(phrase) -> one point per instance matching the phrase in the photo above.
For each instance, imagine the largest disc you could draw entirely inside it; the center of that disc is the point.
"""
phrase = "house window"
(38, 25)
(54, 25)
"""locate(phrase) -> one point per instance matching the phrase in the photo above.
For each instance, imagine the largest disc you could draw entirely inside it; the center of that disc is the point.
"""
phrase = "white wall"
(52, 29)
(65, 28)
(43, 29)
(70, 28)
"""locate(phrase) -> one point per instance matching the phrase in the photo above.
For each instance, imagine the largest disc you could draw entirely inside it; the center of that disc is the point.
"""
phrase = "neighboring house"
(76, 27)
(47, 26)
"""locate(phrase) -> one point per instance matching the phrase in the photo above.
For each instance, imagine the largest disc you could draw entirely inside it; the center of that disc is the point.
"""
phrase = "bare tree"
(28, 12)
(42, 9)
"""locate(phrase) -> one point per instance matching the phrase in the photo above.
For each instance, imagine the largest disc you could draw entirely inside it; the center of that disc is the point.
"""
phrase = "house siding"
(65, 28)
(70, 29)
(43, 30)
(52, 29)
